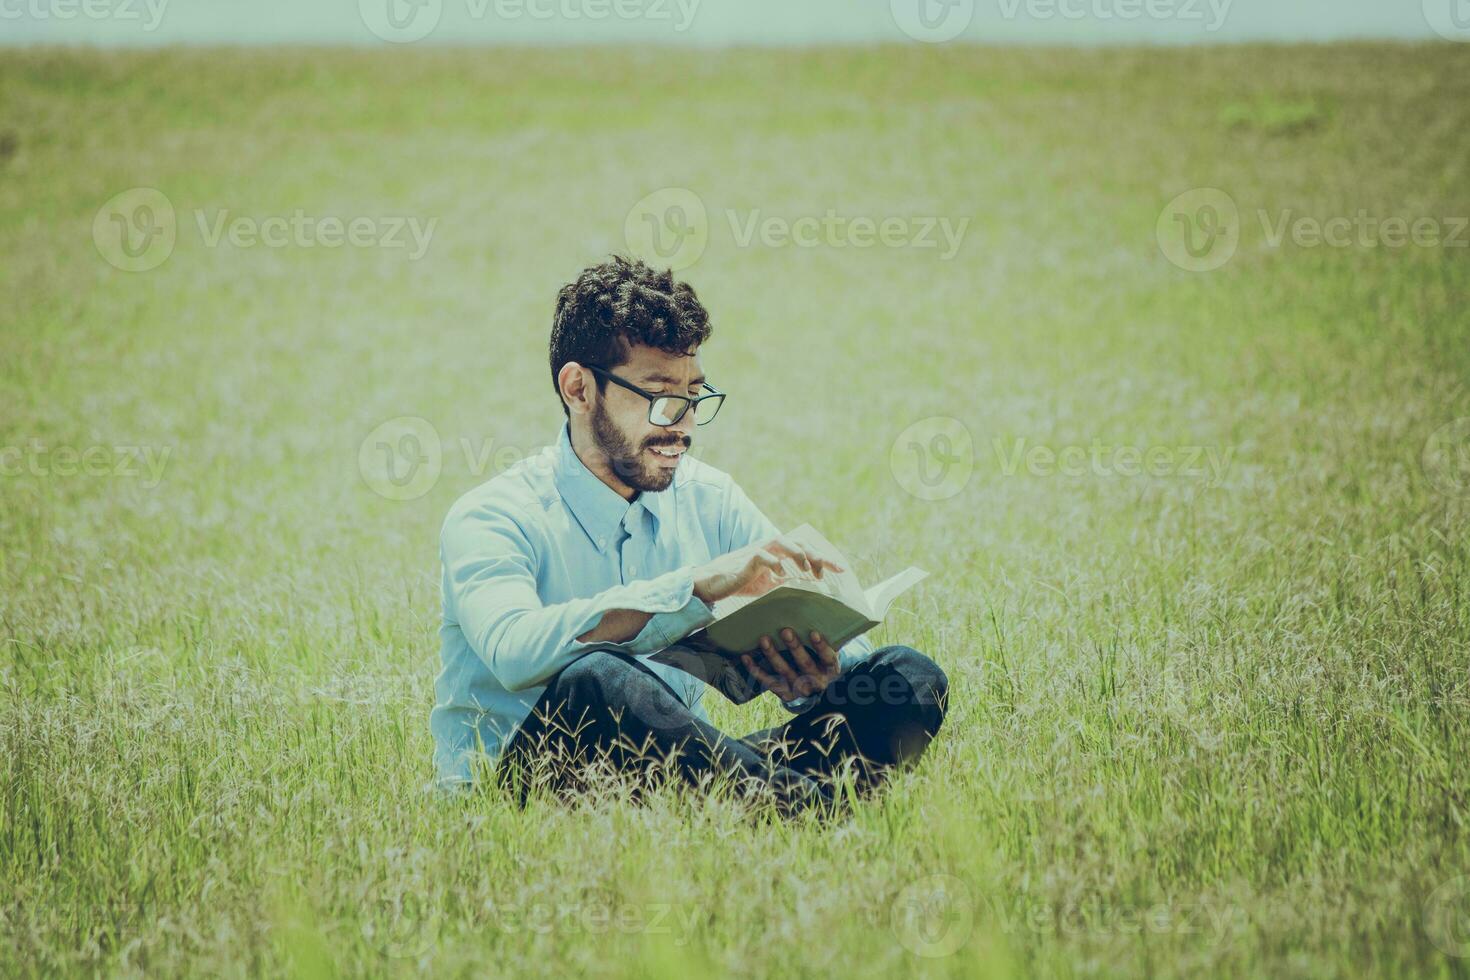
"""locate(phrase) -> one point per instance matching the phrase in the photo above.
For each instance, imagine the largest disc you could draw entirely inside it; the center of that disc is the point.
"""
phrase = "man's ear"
(577, 388)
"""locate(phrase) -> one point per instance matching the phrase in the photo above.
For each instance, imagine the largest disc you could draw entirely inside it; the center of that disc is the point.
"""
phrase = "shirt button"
(632, 569)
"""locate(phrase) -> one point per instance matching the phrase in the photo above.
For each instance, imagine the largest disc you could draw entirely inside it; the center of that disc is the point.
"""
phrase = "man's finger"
(816, 563)
(778, 663)
(796, 553)
(828, 656)
(799, 655)
(766, 680)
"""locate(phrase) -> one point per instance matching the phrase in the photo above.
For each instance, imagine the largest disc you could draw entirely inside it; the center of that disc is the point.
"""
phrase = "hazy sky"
(719, 22)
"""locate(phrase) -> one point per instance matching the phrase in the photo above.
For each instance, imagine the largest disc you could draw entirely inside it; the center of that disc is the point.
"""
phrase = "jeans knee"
(590, 680)
(929, 683)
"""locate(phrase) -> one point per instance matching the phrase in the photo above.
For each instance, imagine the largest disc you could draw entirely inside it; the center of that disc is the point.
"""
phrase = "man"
(561, 574)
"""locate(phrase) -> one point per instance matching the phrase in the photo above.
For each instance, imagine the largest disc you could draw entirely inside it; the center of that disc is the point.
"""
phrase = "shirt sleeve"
(490, 571)
(742, 523)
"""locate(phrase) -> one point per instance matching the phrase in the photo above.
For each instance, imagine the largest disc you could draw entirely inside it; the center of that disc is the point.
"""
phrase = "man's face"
(620, 422)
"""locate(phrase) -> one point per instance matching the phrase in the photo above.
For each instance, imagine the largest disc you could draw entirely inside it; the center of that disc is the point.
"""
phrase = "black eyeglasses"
(669, 409)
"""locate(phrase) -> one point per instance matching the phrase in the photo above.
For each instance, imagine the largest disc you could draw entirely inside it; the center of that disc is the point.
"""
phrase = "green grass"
(1198, 726)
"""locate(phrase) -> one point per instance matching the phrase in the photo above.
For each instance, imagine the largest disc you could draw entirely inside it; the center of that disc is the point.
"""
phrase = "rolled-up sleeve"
(490, 567)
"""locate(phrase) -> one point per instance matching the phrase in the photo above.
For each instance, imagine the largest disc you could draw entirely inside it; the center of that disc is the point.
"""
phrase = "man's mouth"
(668, 452)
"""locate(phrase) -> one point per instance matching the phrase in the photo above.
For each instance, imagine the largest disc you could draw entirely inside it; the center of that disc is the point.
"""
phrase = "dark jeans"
(608, 709)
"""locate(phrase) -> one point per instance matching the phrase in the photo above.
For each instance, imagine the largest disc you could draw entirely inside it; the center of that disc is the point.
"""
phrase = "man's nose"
(685, 425)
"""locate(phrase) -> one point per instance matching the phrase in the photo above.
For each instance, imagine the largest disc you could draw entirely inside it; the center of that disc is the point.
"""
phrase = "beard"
(628, 462)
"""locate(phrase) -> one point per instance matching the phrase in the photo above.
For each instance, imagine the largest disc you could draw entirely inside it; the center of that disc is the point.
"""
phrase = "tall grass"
(1200, 724)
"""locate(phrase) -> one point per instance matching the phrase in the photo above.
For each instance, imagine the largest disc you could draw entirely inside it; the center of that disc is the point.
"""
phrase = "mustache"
(684, 442)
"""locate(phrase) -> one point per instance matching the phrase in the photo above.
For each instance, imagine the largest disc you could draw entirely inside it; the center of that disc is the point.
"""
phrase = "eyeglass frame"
(689, 402)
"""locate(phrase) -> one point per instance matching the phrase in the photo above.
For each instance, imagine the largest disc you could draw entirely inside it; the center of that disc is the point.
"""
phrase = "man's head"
(642, 327)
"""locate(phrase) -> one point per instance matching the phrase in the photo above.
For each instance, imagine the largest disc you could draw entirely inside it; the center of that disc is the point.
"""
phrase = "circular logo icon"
(397, 930)
(401, 21)
(1447, 916)
(1199, 230)
(933, 458)
(933, 21)
(1446, 458)
(136, 230)
(1450, 19)
(668, 228)
(933, 916)
(401, 459)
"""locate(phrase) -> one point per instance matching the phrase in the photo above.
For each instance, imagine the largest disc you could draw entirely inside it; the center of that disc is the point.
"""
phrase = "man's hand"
(795, 674)
(756, 569)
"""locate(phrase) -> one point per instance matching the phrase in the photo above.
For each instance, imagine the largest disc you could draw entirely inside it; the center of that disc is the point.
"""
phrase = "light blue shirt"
(536, 556)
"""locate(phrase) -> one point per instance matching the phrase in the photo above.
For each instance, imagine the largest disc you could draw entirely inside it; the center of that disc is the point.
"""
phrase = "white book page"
(881, 596)
(842, 586)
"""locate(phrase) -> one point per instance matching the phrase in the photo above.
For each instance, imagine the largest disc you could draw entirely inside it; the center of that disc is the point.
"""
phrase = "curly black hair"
(617, 304)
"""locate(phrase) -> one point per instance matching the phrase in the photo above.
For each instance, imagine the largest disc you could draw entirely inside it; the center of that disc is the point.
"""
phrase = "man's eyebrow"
(649, 379)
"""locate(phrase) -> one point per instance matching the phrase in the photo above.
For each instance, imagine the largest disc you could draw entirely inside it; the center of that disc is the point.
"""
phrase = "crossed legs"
(609, 710)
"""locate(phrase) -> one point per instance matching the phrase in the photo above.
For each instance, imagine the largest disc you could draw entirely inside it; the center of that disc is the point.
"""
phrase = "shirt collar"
(598, 507)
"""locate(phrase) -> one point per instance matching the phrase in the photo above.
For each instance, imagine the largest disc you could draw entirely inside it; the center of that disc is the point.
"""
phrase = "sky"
(723, 22)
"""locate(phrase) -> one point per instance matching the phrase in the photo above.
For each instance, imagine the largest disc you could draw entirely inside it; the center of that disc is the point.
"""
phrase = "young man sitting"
(562, 573)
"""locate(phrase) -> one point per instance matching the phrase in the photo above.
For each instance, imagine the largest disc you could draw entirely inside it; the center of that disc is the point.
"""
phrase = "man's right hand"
(756, 569)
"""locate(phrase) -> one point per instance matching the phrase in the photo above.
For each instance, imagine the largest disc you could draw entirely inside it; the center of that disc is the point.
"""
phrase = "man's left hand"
(796, 673)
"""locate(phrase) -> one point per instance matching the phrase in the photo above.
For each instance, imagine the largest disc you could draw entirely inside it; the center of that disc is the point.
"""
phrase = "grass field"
(1211, 694)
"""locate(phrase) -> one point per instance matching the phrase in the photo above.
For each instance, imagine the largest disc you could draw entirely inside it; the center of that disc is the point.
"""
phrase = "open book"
(835, 605)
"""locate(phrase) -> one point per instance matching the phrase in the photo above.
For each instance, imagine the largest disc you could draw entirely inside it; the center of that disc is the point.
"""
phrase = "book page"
(881, 596)
(842, 586)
